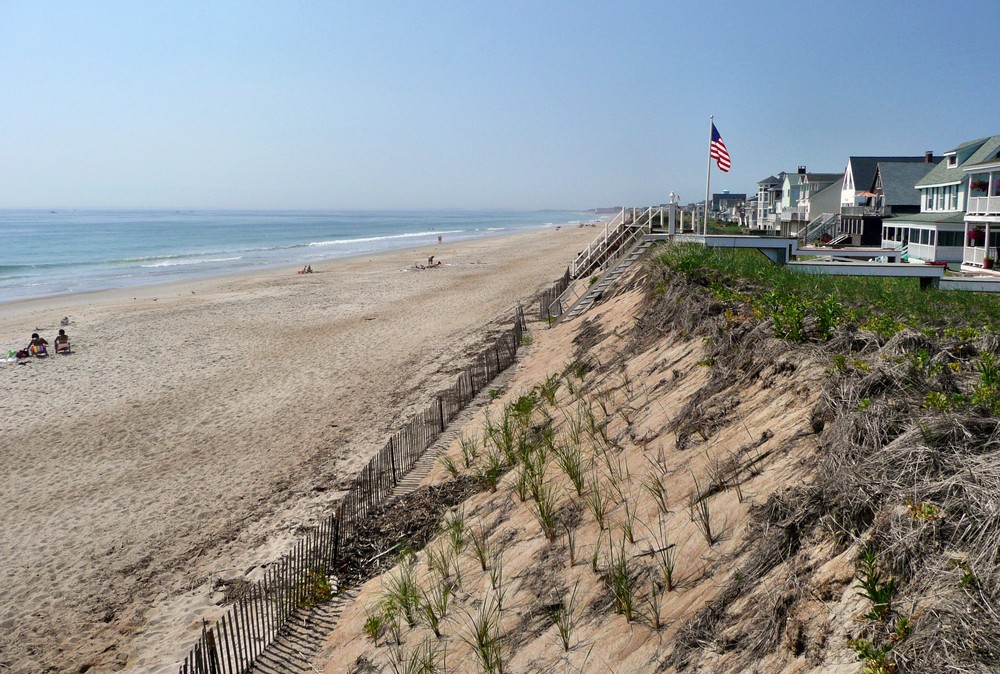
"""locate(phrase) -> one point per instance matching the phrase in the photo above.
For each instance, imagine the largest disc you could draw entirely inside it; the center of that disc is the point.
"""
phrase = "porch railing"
(984, 206)
(860, 210)
(975, 255)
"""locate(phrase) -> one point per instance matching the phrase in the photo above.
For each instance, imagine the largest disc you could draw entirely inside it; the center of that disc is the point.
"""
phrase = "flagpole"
(708, 173)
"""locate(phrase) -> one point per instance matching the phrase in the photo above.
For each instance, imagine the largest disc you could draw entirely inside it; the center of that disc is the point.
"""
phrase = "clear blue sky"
(468, 104)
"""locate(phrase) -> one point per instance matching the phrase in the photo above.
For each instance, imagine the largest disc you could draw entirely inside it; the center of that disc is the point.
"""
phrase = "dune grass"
(882, 305)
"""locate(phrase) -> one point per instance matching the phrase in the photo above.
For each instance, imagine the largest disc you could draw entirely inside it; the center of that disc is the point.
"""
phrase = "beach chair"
(39, 351)
(62, 347)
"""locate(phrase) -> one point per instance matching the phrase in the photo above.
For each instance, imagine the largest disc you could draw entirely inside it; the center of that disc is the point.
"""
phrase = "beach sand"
(197, 428)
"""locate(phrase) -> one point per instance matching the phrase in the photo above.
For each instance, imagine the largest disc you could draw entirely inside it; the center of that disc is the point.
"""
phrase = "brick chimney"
(929, 157)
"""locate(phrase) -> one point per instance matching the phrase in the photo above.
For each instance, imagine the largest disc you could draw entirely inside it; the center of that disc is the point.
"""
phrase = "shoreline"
(280, 246)
(197, 428)
(13, 310)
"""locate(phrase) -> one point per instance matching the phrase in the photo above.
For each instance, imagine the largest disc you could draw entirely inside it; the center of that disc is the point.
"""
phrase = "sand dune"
(197, 427)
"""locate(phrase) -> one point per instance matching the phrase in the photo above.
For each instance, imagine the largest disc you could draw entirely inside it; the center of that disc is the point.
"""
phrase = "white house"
(769, 201)
(805, 196)
(982, 211)
(937, 232)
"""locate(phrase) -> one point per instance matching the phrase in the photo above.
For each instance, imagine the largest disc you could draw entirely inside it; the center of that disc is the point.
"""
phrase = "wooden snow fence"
(549, 296)
(300, 578)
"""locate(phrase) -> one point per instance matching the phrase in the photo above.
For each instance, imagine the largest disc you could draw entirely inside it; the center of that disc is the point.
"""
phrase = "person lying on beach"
(61, 342)
(36, 346)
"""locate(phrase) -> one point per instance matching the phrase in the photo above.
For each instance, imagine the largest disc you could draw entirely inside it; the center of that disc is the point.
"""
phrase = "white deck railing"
(984, 206)
(921, 251)
(974, 255)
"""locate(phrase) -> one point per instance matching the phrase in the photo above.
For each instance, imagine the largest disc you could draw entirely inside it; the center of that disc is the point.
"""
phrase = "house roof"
(770, 180)
(976, 151)
(823, 177)
(863, 168)
(969, 143)
(957, 217)
(899, 182)
(986, 154)
(833, 187)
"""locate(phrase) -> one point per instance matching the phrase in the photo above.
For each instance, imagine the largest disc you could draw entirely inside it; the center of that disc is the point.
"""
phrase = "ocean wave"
(180, 262)
(390, 237)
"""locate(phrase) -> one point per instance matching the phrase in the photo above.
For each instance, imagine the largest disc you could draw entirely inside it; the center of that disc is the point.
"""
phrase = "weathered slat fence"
(549, 296)
(234, 642)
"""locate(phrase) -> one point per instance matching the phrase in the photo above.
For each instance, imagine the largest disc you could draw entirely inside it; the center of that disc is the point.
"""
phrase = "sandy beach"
(198, 427)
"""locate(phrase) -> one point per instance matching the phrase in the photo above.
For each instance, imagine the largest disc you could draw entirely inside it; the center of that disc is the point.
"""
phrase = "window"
(952, 161)
(950, 239)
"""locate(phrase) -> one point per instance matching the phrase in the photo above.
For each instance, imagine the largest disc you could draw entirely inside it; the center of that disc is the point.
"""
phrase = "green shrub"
(874, 586)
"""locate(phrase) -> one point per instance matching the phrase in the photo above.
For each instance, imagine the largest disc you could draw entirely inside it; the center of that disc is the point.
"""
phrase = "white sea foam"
(369, 239)
(177, 263)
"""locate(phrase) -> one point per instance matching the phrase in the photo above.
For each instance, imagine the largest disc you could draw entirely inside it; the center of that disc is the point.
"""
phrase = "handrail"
(817, 227)
(638, 234)
(584, 256)
(570, 289)
(598, 251)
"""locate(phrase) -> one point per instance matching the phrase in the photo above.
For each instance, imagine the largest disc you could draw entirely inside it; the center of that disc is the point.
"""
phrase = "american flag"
(719, 152)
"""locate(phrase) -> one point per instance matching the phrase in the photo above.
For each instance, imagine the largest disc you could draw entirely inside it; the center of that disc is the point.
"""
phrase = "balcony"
(984, 206)
(860, 210)
(795, 214)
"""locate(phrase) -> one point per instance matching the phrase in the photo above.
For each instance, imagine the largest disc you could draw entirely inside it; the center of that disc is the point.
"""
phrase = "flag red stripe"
(721, 155)
(718, 151)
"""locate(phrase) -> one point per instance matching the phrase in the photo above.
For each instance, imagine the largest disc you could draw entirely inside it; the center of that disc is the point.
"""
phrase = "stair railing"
(634, 238)
(584, 258)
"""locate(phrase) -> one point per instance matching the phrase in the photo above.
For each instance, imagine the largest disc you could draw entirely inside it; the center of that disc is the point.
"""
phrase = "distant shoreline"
(54, 255)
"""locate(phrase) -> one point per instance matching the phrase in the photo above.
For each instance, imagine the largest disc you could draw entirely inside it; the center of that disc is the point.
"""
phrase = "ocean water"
(46, 253)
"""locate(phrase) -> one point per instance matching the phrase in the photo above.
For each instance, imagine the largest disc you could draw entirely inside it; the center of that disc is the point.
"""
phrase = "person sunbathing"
(36, 347)
(62, 342)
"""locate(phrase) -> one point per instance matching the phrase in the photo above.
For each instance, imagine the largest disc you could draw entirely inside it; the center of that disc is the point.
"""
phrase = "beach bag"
(23, 353)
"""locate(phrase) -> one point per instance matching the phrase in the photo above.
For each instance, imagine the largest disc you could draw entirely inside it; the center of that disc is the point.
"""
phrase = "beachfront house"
(748, 214)
(769, 201)
(809, 198)
(876, 188)
(726, 205)
(937, 232)
(981, 235)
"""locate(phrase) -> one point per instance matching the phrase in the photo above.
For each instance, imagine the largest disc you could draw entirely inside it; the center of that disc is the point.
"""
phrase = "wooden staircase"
(613, 273)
